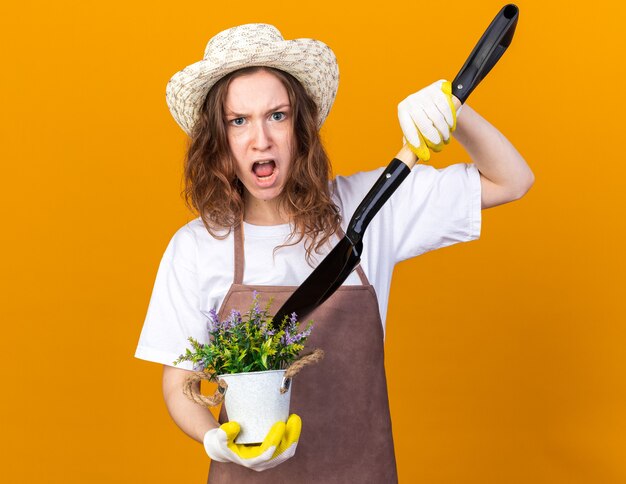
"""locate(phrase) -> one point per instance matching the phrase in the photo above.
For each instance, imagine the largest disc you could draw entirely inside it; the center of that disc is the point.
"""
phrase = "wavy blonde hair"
(214, 191)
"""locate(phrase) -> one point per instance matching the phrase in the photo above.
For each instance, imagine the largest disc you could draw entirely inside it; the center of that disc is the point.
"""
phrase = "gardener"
(259, 177)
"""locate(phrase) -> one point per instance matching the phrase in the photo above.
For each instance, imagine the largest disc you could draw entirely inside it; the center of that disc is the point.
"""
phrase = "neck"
(261, 212)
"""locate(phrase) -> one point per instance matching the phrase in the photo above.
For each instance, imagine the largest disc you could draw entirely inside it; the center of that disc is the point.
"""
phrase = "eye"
(280, 114)
(237, 121)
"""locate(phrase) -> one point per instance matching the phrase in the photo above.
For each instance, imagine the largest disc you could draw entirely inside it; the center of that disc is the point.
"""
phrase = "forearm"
(495, 157)
(192, 418)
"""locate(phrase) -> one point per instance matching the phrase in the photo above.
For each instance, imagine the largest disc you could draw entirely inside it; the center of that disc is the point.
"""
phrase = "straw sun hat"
(310, 61)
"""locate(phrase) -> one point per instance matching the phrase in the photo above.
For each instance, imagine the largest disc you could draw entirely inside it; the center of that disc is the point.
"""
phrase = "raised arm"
(429, 116)
(504, 174)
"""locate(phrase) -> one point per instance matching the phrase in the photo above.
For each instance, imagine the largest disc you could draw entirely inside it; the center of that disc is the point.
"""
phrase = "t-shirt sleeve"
(173, 311)
(431, 209)
(436, 208)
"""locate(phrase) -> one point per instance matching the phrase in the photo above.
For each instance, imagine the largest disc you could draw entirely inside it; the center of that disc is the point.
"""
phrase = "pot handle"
(192, 392)
(285, 384)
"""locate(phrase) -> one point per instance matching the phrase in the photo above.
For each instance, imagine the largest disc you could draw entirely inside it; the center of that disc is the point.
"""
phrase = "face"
(260, 133)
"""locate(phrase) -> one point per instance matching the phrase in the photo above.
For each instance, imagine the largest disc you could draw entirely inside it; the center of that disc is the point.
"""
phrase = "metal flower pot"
(255, 402)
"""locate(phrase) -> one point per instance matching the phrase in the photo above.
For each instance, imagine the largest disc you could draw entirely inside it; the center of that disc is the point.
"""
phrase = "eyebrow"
(242, 115)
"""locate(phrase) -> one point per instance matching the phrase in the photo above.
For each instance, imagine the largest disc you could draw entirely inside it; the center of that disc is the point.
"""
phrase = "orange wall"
(505, 355)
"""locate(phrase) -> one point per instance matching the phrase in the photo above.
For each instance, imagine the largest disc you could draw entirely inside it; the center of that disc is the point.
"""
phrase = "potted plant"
(253, 360)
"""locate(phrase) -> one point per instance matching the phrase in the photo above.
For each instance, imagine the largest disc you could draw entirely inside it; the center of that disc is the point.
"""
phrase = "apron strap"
(239, 258)
(341, 234)
(362, 276)
(359, 269)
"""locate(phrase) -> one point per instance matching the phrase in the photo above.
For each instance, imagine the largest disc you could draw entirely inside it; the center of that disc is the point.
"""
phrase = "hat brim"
(310, 61)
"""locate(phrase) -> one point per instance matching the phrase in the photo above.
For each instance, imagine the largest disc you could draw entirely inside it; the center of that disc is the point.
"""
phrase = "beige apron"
(342, 400)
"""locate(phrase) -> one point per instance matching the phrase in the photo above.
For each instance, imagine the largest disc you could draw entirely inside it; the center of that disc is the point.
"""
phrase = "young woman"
(258, 175)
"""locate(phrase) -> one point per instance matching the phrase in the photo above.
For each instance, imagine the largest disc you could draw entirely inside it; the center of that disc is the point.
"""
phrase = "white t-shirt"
(431, 209)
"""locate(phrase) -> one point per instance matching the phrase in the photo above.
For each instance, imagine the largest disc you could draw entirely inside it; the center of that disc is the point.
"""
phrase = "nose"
(261, 137)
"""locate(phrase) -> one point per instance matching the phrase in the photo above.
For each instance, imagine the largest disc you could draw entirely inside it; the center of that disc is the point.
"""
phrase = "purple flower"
(303, 335)
(214, 321)
(255, 307)
(290, 324)
(233, 320)
(213, 315)
(287, 339)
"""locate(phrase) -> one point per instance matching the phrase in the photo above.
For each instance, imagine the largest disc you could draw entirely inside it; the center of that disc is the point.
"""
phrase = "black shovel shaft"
(340, 262)
(486, 53)
(387, 182)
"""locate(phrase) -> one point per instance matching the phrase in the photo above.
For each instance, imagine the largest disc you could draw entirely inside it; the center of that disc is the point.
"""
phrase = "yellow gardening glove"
(427, 118)
(279, 445)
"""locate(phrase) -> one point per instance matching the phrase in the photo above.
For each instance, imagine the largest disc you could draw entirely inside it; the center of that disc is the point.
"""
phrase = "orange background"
(505, 356)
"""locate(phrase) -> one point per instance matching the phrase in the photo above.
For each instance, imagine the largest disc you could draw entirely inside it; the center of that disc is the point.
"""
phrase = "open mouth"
(264, 169)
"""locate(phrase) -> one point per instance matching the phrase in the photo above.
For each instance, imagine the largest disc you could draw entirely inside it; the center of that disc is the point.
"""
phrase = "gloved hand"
(279, 445)
(427, 118)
